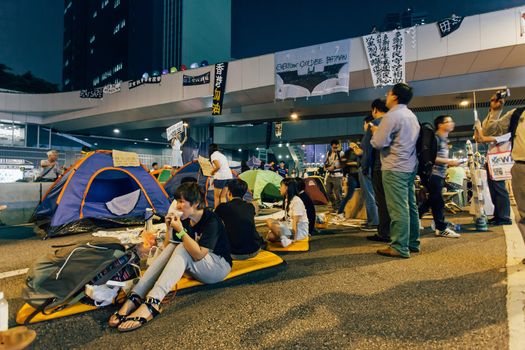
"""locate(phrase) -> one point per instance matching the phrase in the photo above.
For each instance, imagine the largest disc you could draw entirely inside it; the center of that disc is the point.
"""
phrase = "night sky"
(260, 27)
(31, 30)
(31, 37)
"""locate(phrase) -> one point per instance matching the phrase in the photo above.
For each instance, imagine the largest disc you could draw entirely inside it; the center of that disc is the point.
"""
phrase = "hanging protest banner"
(313, 70)
(449, 25)
(386, 57)
(219, 87)
(278, 129)
(150, 80)
(112, 88)
(522, 23)
(189, 80)
(174, 130)
(92, 93)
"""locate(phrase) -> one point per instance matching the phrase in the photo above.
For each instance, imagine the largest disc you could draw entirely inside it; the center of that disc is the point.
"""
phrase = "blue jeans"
(370, 202)
(351, 184)
(400, 197)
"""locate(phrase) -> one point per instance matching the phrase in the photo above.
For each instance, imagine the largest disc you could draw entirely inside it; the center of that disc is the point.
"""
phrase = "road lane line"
(515, 284)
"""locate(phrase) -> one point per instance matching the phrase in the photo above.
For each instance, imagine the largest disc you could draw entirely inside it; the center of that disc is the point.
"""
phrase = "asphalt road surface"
(338, 295)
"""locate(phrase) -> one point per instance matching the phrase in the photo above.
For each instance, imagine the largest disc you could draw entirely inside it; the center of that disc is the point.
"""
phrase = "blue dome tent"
(93, 194)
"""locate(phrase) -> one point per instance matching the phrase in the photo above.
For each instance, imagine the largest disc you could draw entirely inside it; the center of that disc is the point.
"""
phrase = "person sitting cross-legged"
(238, 217)
(295, 225)
(204, 254)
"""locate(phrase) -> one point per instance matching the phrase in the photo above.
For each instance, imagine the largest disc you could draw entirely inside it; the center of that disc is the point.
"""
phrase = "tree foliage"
(26, 82)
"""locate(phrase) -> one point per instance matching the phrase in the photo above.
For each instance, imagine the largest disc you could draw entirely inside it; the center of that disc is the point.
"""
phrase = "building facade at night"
(108, 41)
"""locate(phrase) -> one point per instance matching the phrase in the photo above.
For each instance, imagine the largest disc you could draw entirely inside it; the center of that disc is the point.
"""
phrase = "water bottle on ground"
(149, 219)
(4, 313)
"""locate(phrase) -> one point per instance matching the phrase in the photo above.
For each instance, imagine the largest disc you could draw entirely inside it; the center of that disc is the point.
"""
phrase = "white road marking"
(515, 285)
(13, 273)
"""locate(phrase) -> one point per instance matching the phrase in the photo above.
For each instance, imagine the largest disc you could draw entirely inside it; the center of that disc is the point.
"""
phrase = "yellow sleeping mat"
(263, 260)
(299, 246)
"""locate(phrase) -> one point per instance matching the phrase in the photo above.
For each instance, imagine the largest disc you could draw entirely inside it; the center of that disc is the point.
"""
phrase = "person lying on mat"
(207, 259)
(238, 217)
(294, 227)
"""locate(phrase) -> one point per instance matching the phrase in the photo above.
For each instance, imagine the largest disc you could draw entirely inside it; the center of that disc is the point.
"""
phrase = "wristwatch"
(181, 233)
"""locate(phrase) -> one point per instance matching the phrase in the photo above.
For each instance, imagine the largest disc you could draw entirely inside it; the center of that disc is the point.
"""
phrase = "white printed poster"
(174, 130)
(312, 71)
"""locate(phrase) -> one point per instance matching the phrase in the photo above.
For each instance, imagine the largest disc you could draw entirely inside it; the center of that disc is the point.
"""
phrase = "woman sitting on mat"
(206, 258)
(294, 227)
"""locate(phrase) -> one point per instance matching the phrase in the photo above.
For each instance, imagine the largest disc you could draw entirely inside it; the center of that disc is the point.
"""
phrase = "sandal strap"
(119, 317)
(135, 299)
(142, 320)
(150, 302)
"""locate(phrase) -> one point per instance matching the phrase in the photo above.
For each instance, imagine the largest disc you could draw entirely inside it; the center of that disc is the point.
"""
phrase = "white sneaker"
(448, 233)
(285, 241)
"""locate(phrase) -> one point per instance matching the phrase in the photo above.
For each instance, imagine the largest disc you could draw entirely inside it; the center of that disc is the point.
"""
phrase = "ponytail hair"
(291, 191)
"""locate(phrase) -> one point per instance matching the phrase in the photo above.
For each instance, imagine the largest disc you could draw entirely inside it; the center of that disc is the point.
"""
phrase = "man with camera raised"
(512, 122)
(491, 126)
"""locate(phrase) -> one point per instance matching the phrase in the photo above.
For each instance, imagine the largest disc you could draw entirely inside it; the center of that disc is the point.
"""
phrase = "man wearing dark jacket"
(371, 166)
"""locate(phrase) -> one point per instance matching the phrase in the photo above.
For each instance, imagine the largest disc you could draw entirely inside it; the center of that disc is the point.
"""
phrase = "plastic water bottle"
(4, 313)
(149, 219)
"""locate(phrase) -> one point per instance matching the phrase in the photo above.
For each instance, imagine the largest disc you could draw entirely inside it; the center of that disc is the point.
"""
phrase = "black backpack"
(514, 120)
(426, 148)
(57, 280)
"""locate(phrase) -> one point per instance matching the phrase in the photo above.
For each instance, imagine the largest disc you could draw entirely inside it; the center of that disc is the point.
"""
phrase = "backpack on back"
(57, 280)
(426, 148)
(514, 120)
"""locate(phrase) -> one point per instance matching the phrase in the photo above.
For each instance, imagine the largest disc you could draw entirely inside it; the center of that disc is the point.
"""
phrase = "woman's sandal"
(136, 300)
(150, 304)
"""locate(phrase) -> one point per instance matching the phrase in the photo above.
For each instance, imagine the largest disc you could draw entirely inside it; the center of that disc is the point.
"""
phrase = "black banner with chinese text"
(189, 80)
(150, 80)
(219, 87)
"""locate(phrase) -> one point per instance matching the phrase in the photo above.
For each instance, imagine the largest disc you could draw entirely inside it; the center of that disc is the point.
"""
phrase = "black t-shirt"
(310, 210)
(209, 232)
(239, 219)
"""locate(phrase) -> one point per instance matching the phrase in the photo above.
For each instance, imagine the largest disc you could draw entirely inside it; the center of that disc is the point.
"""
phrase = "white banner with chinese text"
(386, 57)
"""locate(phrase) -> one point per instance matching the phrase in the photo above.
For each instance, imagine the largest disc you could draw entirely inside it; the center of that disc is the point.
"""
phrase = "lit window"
(92, 39)
(116, 29)
(66, 81)
(67, 7)
(96, 81)
(122, 23)
(66, 63)
(116, 3)
(104, 3)
(91, 51)
(105, 75)
(117, 67)
(94, 14)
